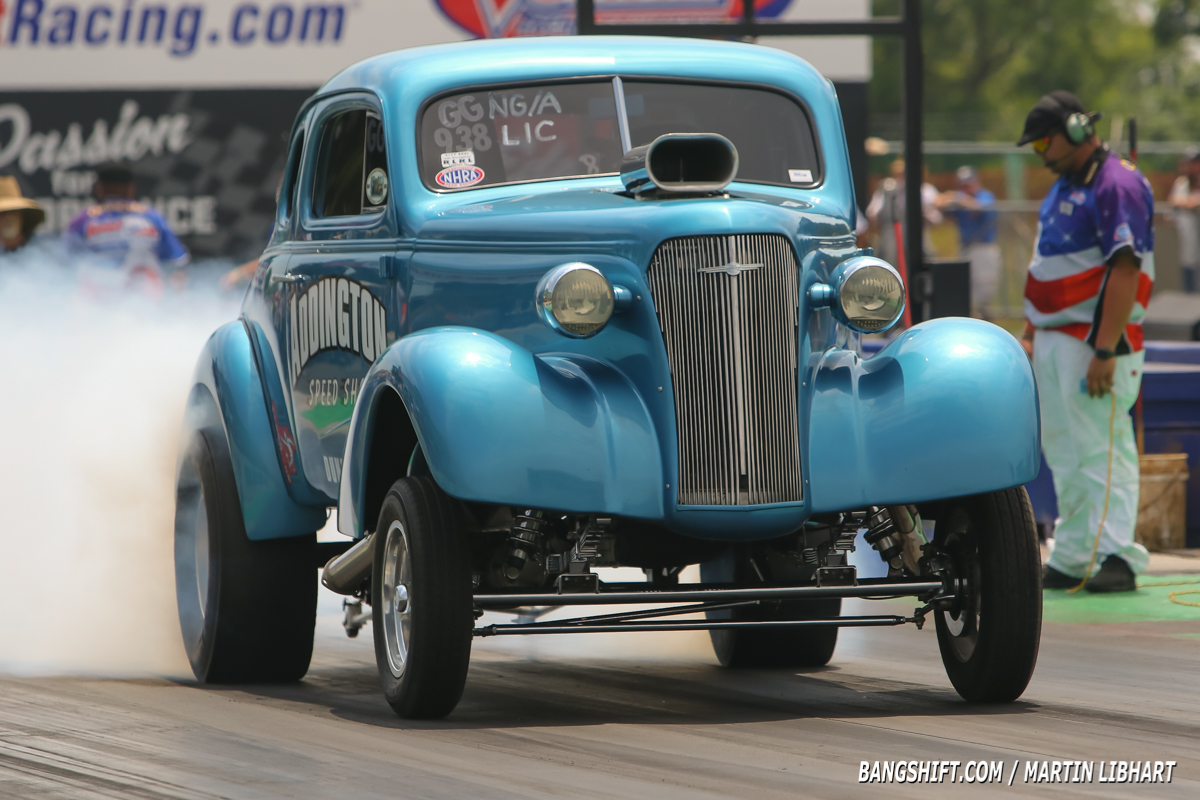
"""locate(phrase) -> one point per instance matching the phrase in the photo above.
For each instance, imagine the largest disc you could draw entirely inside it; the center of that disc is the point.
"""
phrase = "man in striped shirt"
(1089, 282)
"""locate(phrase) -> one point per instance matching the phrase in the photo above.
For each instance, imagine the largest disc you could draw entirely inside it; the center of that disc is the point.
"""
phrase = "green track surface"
(1150, 604)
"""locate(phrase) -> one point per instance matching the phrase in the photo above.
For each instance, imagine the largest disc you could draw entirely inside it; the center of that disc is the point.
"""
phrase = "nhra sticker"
(336, 314)
(462, 158)
(1078, 198)
(459, 177)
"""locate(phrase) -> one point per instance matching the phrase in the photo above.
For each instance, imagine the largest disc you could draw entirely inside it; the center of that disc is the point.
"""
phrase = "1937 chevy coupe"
(533, 307)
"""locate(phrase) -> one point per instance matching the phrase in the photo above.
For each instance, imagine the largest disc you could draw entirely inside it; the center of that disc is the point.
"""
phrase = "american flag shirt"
(1084, 219)
(121, 240)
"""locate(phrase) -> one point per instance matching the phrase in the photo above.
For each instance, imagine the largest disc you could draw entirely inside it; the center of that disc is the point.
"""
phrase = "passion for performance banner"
(199, 96)
(208, 160)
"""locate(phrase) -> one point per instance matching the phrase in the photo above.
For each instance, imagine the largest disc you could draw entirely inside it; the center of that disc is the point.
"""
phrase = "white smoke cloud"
(91, 405)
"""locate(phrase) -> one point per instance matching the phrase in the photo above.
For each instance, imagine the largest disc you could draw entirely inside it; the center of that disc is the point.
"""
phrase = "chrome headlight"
(868, 294)
(575, 299)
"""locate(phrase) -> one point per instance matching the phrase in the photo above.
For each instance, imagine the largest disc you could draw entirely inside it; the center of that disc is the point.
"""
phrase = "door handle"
(287, 277)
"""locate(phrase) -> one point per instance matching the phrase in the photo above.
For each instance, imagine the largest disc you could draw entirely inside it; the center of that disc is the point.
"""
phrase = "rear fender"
(497, 424)
(948, 409)
(227, 394)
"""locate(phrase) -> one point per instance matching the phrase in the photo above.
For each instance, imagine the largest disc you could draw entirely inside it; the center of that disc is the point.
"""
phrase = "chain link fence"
(1019, 181)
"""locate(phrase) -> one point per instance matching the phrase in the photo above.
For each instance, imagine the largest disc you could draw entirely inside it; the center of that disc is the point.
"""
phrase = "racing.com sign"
(179, 28)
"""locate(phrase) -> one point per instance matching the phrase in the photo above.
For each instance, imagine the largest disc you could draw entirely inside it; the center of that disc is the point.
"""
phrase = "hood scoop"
(680, 164)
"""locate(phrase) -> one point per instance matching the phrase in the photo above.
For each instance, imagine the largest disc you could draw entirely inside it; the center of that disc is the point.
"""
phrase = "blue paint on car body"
(227, 395)
(504, 410)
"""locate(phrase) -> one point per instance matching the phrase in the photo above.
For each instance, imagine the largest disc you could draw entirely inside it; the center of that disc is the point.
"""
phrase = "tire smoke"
(91, 408)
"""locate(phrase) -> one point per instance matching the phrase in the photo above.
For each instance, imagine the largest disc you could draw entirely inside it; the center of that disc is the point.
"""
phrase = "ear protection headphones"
(1080, 127)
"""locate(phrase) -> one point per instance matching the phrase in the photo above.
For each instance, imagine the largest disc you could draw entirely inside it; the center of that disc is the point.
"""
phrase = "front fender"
(948, 409)
(498, 424)
(227, 393)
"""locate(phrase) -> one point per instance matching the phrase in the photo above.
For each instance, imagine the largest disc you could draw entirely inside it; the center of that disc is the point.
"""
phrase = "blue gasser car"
(538, 306)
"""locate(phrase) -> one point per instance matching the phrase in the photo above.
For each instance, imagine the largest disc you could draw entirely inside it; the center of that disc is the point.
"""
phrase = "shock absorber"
(911, 535)
(526, 543)
(881, 534)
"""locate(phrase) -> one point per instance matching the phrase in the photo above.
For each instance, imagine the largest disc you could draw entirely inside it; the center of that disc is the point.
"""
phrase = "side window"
(351, 175)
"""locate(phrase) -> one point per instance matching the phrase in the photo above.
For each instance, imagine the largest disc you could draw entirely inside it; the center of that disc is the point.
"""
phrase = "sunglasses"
(1041, 145)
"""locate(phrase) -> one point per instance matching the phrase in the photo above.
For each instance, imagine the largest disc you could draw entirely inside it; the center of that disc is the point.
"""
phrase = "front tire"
(989, 641)
(247, 609)
(421, 600)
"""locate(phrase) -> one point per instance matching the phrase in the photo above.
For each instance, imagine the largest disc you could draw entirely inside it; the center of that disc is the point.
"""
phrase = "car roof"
(407, 77)
(405, 80)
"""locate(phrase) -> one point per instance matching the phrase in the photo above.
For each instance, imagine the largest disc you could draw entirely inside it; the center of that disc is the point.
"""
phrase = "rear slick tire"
(761, 648)
(989, 643)
(421, 600)
(247, 609)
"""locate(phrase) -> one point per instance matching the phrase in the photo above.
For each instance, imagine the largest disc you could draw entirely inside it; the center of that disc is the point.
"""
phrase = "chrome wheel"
(397, 606)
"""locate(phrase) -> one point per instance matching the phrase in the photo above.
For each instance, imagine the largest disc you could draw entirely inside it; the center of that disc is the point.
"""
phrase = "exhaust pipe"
(681, 163)
(345, 574)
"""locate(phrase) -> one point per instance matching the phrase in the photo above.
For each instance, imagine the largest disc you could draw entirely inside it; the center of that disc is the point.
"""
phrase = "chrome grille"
(727, 306)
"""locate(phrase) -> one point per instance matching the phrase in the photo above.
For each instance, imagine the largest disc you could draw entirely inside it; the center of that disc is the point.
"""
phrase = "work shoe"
(1114, 576)
(1053, 579)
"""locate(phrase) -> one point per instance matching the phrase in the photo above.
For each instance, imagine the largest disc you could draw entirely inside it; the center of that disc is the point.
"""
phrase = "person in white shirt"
(887, 207)
(1185, 202)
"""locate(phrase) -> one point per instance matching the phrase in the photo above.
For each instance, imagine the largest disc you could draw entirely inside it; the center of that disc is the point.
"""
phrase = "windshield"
(771, 132)
(564, 130)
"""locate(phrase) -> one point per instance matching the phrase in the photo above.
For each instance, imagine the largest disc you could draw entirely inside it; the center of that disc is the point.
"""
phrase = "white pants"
(1076, 436)
(986, 265)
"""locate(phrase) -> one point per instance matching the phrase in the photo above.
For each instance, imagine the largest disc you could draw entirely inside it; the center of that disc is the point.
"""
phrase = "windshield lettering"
(504, 104)
(565, 130)
(451, 113)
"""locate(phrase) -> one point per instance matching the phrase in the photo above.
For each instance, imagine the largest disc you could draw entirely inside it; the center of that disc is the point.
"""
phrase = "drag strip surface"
(597, 716)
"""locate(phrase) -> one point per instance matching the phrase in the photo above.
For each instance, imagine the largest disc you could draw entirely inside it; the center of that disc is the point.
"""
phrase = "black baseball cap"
(114, 172)
(1049, 115)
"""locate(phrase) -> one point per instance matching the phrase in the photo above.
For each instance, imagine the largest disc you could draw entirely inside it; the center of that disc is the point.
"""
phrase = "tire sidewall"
(999, 667)
(198, 626)
(749, 647)
(978, 530)
(259, 618)
(439, 591)
(392, 511)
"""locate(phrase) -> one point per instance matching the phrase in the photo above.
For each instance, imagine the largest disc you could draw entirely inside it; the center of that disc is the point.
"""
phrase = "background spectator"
(19, 216)
(972, 208)
(124, 244)
(1185, 200)
(887, 207)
